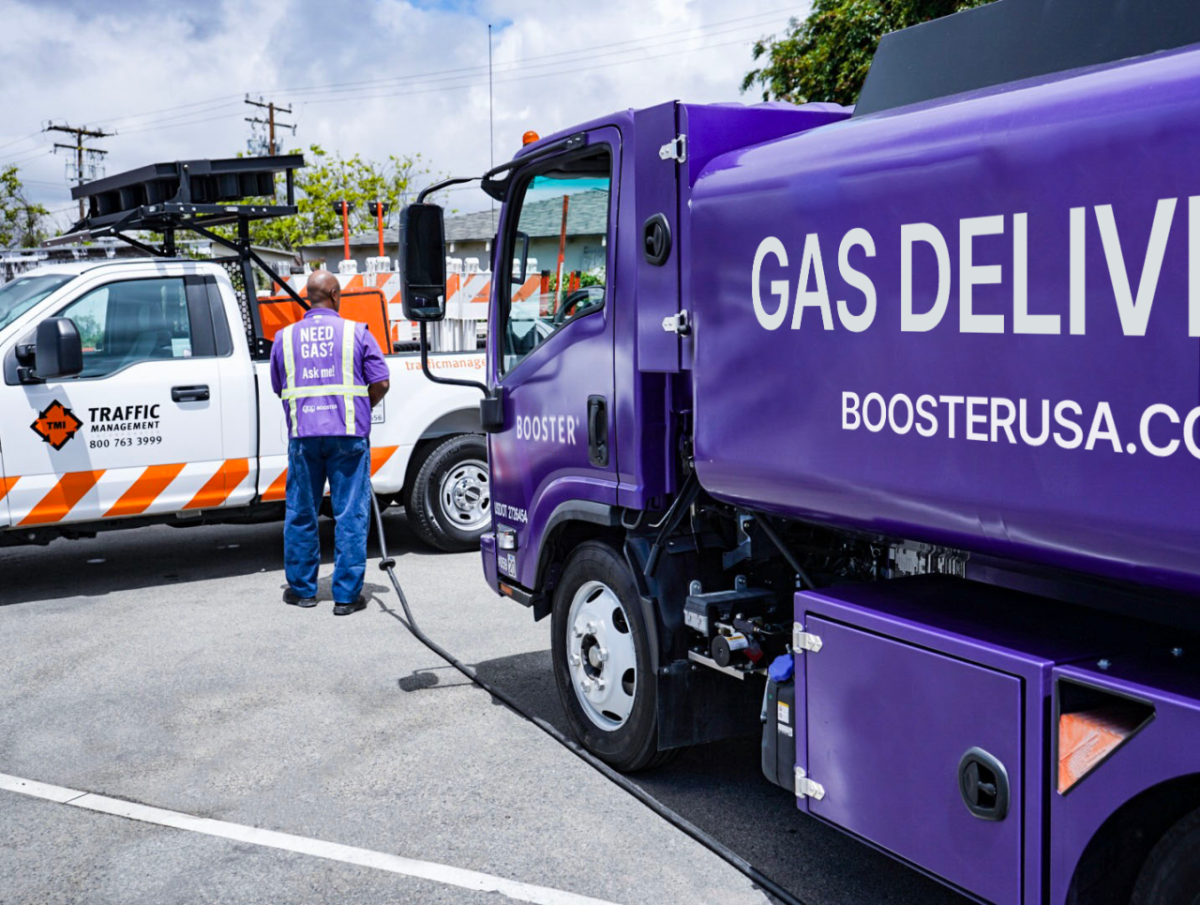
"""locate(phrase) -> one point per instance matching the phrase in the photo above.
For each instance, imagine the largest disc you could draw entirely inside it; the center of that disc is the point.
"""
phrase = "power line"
(524, 78)
(417, 89)
(181, 114)
(461, 85)
(19, 140)
(22, 153)
(224, 98)
(93, 154)
(40, 152)
(191, 122)
(527, 63)
(663, 38)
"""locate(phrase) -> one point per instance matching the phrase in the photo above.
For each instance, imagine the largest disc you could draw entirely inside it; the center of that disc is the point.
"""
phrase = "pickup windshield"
(21, 294)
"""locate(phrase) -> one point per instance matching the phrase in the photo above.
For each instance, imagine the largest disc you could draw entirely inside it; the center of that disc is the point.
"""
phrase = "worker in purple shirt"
(329, 373)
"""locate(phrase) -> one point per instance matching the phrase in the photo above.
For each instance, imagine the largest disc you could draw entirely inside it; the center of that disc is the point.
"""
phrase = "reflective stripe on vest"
(289, 367)
(348, 332)
(348, 390)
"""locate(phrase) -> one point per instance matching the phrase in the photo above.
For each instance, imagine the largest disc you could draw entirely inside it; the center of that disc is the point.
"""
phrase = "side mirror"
(58, 349)
(423, 262)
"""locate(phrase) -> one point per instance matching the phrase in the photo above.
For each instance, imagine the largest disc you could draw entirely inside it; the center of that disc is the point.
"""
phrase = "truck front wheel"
(602, 662)
(450, 502)
(1171, 875)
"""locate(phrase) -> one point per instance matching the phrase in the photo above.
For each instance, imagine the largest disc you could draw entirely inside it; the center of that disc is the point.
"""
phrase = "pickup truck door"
(553, 348)
(4, 520)
(139, 431)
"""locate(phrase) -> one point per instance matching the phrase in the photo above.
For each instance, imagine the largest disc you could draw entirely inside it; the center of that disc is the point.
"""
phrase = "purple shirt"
(317, 354)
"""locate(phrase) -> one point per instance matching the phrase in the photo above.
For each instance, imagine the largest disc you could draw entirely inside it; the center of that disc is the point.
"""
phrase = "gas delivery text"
(922, 309)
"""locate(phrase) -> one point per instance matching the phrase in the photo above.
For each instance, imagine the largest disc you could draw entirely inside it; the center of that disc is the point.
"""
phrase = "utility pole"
(80, 133)
(271, 107)
(491, 123)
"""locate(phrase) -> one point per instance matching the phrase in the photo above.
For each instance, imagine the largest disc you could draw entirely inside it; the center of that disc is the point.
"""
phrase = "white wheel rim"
(466, 495)
(601, 657)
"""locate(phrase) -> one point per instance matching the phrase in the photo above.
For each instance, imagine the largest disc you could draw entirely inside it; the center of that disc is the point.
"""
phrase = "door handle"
(598, 431)
(190, 394)
(983, 784)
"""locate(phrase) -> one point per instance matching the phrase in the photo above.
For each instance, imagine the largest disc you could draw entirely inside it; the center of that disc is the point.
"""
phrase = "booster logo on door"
(56, 425)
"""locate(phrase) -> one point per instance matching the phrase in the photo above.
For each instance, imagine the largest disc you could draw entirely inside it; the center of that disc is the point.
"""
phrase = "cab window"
(559, 246)
(22, 293)
(132, 321)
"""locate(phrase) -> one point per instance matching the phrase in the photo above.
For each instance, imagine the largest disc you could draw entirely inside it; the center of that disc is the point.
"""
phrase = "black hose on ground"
(388, 564)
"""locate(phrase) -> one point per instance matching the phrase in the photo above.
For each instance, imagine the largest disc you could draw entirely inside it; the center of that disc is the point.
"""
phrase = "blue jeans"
(346, 462)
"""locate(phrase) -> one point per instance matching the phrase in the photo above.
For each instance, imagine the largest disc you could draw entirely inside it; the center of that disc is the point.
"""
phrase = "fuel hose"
(722, 851)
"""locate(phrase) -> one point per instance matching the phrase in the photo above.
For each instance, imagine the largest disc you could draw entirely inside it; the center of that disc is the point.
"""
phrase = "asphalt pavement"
(159, 667)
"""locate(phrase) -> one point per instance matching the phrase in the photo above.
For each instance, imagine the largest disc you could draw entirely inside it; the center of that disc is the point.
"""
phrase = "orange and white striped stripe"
(465, 289)
(274, 472)
(156, 489)
(117, 493)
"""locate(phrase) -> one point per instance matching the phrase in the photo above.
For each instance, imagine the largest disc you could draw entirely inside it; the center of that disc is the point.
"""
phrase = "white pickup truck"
(130, 397)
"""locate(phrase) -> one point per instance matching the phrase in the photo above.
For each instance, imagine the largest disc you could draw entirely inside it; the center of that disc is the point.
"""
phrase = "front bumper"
(487, 550)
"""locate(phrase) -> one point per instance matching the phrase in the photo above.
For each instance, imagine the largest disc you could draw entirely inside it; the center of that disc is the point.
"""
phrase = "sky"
(374, 77)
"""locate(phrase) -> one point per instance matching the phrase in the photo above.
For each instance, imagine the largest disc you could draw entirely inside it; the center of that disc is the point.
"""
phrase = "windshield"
(560, 253)
(21, 294)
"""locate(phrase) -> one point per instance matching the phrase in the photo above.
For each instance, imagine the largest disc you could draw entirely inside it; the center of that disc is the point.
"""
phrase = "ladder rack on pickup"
(194, 195)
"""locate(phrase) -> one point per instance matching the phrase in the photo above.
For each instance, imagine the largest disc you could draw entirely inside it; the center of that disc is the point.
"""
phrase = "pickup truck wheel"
(1171, 875)
(450, 505)
(602, 662)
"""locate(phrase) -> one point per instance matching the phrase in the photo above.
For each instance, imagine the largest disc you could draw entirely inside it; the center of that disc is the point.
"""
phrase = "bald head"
(324, 290)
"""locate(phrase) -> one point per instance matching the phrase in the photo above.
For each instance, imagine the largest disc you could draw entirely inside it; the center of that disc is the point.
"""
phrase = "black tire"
(420, 454)
(1171, 875)
(436, 520)
(632, 744)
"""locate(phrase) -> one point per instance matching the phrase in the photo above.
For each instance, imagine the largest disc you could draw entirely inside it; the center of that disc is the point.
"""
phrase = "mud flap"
(698, 705)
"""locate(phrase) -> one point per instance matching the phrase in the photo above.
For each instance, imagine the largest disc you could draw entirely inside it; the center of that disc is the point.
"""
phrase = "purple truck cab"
(907, 396)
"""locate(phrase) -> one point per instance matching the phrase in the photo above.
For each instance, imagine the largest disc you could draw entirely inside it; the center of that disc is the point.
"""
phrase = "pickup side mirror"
(58, 349)
(423, 262)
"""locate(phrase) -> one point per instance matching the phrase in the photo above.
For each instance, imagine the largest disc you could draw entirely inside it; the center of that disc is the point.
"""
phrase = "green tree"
(826, 56)
(22, 223)
(327, 178)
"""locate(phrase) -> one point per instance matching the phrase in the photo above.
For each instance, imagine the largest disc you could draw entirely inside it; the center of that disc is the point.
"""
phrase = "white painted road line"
(425, 870)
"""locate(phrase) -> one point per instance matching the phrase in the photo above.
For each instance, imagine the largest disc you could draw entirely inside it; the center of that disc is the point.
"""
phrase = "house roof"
(370, 237)
(588, 216)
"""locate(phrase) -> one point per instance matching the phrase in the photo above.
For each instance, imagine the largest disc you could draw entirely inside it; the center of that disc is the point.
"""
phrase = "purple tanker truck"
(877, 432)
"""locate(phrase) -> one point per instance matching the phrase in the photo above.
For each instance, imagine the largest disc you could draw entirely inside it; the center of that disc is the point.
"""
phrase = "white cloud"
(419, 68)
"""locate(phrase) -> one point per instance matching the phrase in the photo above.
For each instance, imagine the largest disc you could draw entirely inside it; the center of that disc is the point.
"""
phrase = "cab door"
(553, 353)
(4, 519)
(137, 432)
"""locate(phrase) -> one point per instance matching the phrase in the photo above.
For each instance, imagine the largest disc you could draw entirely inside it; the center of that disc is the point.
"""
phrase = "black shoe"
(290, 596)
(345, 609)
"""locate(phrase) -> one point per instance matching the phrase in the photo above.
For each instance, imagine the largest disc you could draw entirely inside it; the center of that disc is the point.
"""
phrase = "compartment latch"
(675, 149)
(805, 641)
(807, 788)
(679, 324)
